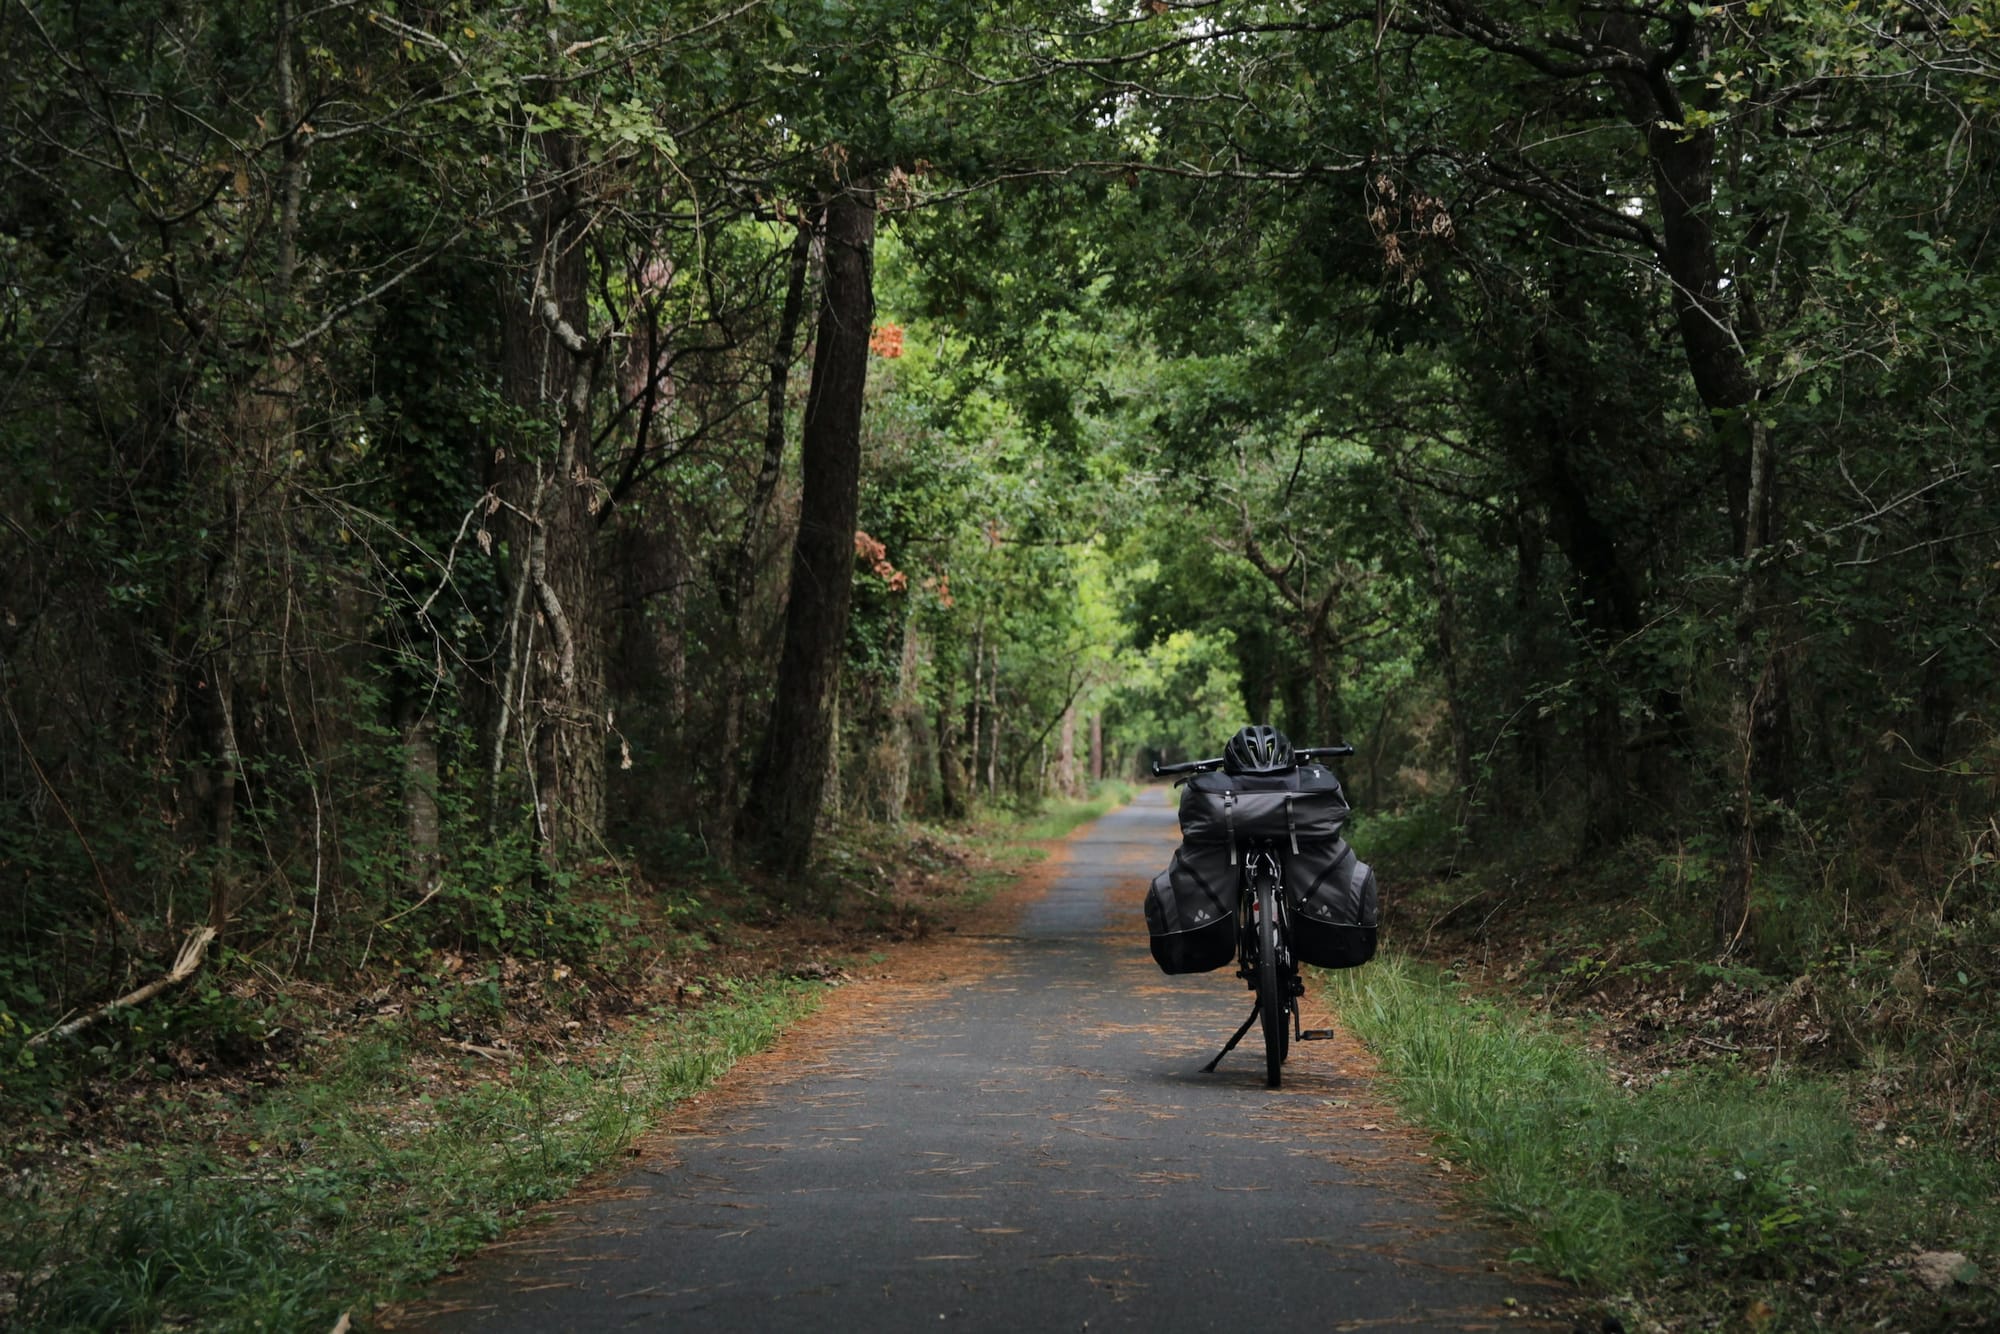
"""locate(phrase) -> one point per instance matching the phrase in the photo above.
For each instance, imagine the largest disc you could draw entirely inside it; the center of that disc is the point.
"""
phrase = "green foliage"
(498, 898)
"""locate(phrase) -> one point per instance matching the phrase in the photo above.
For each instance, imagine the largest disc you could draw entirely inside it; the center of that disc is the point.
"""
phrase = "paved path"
(1022, 1142)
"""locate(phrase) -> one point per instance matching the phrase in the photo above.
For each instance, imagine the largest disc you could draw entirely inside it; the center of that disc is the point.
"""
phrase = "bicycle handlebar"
(1300, 753)
(1186, 767)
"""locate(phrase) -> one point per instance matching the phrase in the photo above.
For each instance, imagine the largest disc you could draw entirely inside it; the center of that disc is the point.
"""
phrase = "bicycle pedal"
(1315, 1034)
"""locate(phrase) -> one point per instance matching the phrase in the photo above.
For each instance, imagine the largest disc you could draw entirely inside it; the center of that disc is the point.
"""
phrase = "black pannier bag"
(1191, 910)
(1334, 908)
(1293, 807)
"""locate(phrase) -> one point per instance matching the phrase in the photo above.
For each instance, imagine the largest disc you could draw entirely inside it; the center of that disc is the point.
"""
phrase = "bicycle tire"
(1272, 1002)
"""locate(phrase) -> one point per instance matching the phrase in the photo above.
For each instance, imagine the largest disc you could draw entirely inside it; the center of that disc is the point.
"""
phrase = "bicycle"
(1264, 939)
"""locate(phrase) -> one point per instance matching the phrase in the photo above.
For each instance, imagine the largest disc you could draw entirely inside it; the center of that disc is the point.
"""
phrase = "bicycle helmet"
(1258, 749)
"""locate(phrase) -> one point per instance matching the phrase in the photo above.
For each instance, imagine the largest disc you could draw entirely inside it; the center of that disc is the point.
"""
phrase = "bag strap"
(1291, 825)
(1229, 820)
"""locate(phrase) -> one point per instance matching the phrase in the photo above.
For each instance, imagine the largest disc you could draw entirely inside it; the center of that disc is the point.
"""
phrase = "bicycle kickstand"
(1255, 1010)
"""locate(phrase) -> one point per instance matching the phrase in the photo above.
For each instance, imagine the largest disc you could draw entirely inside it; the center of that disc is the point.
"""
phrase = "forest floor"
(182, 1173)
(1850, 1178)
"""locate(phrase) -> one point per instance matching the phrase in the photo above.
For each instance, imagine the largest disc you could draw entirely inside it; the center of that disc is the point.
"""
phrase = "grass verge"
(348, 1185)
(1710, 1197)
(1061, 817)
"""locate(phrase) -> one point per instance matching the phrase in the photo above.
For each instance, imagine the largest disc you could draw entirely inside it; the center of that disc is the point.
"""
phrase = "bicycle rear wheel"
(1272, 1000)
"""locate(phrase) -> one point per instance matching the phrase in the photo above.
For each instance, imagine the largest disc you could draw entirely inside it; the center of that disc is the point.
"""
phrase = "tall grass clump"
(1060, 817)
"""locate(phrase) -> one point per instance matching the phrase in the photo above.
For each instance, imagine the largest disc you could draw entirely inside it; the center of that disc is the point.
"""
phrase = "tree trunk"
(1326, 727)
(993, 726)
(1295, 696)
(264, 427)
(421, 825)
(975, 709)
(1755, 717)
(832, 796)
(1066, 782)
(792, 762)
(1938, 692)
(905, 725)
(1531, 746)
(1713, 339)
(1096, 748)
(737, 580)
(951, 768)
(555, 698)
(1445, 628)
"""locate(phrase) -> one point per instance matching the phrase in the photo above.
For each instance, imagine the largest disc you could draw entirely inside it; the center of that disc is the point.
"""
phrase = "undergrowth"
(1059, 818)
(350, 1183)
(1716, 1192)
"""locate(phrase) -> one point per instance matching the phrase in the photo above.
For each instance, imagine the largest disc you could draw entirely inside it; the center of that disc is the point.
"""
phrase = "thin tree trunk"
(951, 765)
(1532, 731)
(832, 798)
(1446, 631)
(1295, 695)
(1096, 748)
(1754, 677)
(421, 825)
(1066, 781)
(739, 577)
(905, 723)
(794, 758)
(993, 726)
(1325, 708)
(673, 641)
(976, 708)
(1937, 693)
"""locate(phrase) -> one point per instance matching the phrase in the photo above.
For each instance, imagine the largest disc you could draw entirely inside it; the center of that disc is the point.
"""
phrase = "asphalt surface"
(1021, 1141)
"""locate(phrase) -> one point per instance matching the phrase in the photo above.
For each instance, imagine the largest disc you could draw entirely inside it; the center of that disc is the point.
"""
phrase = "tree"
(784, 796)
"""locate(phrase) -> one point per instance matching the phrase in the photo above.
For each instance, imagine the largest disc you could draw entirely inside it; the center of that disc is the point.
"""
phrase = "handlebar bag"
(1191, 910)
(1305, 804)
(1335, 905)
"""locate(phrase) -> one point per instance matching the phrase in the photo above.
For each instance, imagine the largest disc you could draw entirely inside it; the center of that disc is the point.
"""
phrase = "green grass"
(348, 1190)
(1712, 1183)
(1060, 818)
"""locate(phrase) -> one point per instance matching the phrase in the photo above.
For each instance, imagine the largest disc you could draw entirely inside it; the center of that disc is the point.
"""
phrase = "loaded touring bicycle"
(1263, 877)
